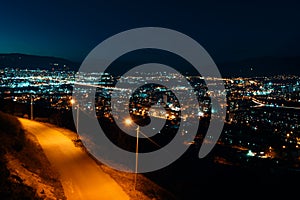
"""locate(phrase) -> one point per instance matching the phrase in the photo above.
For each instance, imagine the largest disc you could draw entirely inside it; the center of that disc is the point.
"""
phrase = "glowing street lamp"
(72, 101)
(128, 121)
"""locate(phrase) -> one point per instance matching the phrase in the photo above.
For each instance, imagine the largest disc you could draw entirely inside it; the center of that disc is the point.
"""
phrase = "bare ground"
(31, 168)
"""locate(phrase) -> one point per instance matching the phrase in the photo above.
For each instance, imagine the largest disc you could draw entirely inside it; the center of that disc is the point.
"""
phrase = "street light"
(128, 122)
(72, 101)
(31, 107)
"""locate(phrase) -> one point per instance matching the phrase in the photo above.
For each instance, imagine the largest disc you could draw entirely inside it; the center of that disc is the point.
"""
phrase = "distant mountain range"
(24, 61)
(259, 66)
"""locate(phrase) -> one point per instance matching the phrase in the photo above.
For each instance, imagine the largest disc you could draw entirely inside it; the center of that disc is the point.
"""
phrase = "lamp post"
(31, 107)
(136, 155)
(129, 122)
(72, 101)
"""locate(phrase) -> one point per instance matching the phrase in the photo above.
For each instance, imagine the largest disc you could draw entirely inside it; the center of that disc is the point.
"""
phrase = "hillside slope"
(25, 172)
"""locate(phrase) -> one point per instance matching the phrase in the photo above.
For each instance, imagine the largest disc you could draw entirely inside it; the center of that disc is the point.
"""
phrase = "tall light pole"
(31, 107)
(136, 155)
(77, 119)
(77, 116)
(129, 122)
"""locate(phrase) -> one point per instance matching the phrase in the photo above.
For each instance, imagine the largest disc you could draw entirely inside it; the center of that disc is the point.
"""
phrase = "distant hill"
(261, 66)
(251, 67)
(24, 61)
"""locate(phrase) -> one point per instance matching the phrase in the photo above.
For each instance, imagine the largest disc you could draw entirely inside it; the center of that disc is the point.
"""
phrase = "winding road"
(81, 177)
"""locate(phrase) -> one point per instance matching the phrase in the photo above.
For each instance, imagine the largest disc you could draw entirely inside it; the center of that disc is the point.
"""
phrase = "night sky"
(228, 30)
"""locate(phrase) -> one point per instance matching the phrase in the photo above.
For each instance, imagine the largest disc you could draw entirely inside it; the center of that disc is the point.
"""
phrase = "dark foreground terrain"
(25, 172)
(193, 178)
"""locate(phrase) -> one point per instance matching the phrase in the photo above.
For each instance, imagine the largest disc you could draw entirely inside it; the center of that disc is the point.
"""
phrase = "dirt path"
(81, 177)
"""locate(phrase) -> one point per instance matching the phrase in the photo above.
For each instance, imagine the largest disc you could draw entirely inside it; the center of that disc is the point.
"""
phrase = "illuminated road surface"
(81, 177)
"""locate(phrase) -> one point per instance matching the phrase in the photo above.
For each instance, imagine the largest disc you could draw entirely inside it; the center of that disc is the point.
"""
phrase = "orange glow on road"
(81, 176)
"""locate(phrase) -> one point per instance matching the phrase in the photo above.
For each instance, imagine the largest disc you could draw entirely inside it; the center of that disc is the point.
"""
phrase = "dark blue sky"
(228, 30)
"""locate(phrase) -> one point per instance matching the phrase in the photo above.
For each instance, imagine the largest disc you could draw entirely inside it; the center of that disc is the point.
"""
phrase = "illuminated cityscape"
(149, 100)
(262, 119)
